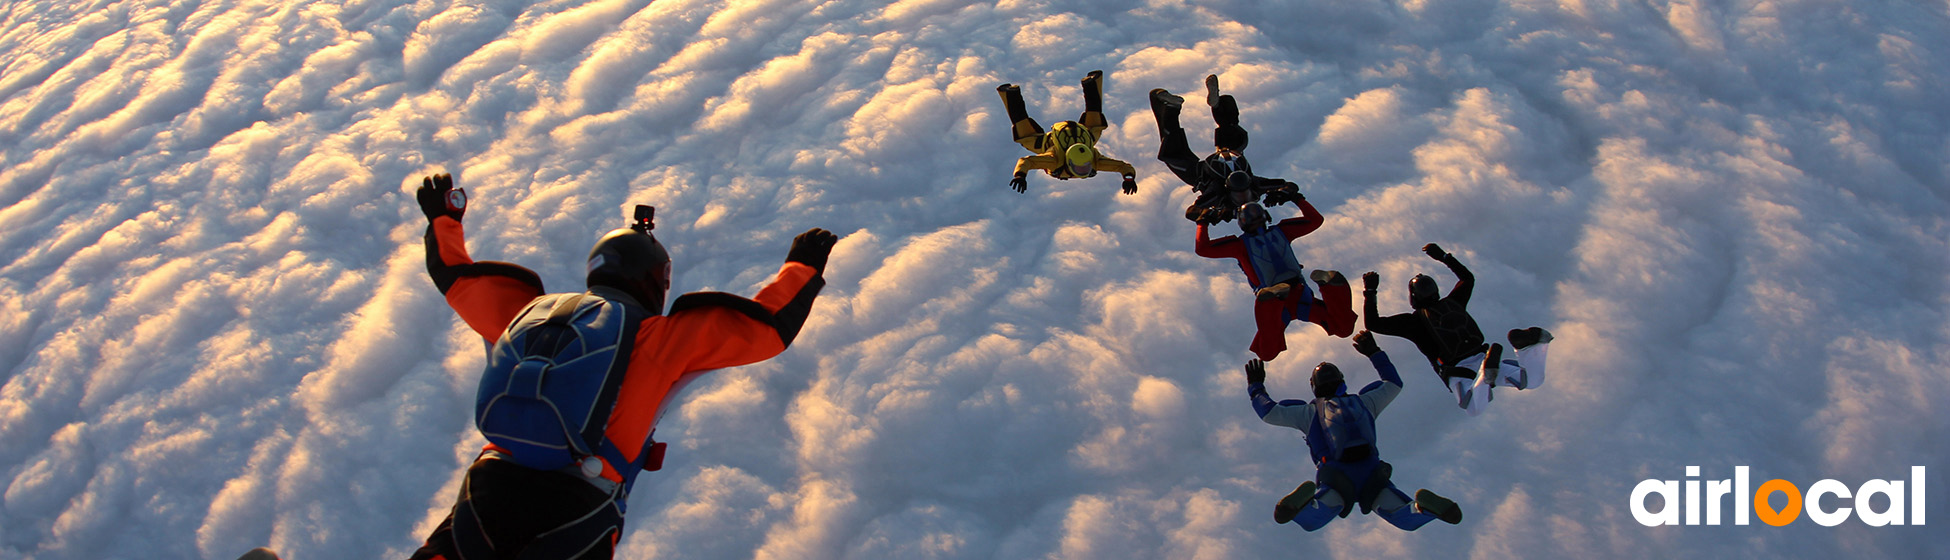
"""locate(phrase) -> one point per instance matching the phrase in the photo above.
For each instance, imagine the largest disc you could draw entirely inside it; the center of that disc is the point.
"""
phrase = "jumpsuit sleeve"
(1291, 413)
(1308, 221)
(1378, 395)
(1465, 281)
(1044, 162)
(719, 330)
(1393, 325)
(1120, 166)
(1221, 248)
(487, 295)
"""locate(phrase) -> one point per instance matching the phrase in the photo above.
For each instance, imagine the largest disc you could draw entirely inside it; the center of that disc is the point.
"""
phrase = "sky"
(216, 331)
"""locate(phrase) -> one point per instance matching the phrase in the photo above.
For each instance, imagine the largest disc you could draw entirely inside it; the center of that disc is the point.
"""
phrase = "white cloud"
(218, 334)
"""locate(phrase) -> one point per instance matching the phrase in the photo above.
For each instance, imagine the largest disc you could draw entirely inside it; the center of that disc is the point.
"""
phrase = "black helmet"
(1239, 181)
(1328, 381)
(1422, 291)
(1253, 217)
(630, 260)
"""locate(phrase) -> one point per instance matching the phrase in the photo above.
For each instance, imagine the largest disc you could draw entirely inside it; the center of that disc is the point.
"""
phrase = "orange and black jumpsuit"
(517, 507)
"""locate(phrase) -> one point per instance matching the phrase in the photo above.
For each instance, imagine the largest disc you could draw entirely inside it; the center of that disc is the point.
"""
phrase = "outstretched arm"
(1392, 325)
(1377, 395)
(1308, 221)
(1291, 413)
(1221, 248)
(1465, 282)
(1104, 163)
(487, 295)
(1039, 161)
(734, 331)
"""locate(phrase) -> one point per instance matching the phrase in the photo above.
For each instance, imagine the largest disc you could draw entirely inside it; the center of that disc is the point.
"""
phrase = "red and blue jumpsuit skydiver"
(1265, 254)
(553, 514)
(1340, 434)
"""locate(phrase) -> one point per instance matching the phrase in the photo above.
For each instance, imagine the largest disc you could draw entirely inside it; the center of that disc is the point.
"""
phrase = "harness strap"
(470, 538)
(576, 537)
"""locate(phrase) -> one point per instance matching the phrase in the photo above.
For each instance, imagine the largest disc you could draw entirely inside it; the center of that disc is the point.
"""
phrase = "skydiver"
(508, 507)
(1340, 436)
(1440, 326)
(1265, 254)
(1224, 180)
(1069, 149)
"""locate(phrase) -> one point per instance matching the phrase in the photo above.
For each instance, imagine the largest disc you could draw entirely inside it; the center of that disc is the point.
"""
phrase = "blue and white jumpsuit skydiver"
(1340, 437)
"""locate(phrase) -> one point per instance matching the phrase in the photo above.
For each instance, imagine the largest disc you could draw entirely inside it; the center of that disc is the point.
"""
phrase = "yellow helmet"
(1080, 157)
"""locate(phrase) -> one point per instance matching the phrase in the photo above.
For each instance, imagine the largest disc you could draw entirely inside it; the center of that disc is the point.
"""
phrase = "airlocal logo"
(1760, 499)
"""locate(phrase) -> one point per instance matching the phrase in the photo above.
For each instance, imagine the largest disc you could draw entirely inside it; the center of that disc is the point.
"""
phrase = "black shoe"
(1161, 99)
(1165, 106)
(1443, 508)
(1093, 92)
(1211, 89)
(1291, 505)
(1525, 338)
(1326, 278)
(1004, 88)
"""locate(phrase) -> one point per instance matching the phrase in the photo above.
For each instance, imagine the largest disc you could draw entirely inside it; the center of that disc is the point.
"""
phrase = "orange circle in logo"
(1777, 517)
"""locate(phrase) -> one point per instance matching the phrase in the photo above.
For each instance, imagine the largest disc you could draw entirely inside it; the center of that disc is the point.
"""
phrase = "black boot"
(1524, 338)
(1291, 505)
(1443, 508)
(1012, 100)
(1164, 107)
(1093, 91)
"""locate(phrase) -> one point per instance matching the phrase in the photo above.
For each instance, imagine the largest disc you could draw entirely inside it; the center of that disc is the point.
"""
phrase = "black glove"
(1286, 193)
(1364, 343)
(1255, 372)
(1019, 183)
(811, 248)
(1370, 281)
(1130, 185)
(438, 197)
(1435, 252)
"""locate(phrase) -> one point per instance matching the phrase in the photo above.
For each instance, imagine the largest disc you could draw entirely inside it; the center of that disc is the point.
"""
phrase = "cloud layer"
(217, 334)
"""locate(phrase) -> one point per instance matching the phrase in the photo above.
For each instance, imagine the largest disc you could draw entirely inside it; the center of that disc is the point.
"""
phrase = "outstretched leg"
(1173, 150)
(1225, 111)
(1527, 370)
(1395, 508)
(1470, 391)
(1093, 104)
(1334, 310)
(1325, 506)
(1270, 315)
(1024, 129)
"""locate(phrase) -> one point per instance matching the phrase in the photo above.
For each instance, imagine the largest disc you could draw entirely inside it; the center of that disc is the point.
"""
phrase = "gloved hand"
(1435, 252)
(1019, 183)
(438, 197)
(1288, 192)
(1130, 185)
(1364, 343)
(1255, 372)
(812, 248)
(1370, 281)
